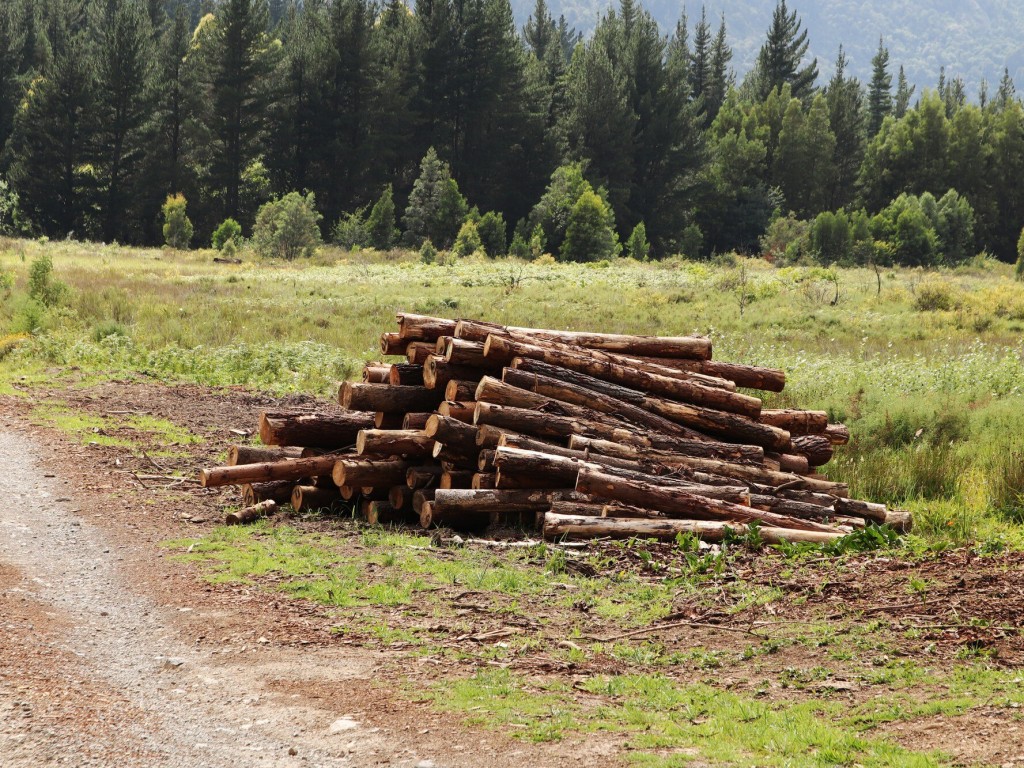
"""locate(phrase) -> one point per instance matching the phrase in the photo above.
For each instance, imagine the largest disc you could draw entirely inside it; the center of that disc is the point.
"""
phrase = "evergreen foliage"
(590, 235)
(380, 225)
(780, 61)
(288, 228)
(230, 231)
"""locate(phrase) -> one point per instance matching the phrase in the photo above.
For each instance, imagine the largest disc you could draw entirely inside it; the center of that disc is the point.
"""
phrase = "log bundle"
(581, 434)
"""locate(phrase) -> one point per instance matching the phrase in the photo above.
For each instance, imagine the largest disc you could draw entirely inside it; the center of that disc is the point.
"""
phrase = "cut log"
(796, 422)
(789, 462)
(415, 420)
(437, 374)
(747, 376)
(424, 327)
(690, 347)
(387, 398)
(461, 478)
(400, 497)
(420, 497)
(539, 423)
(251, 514)
(393, 442)
(376, 373)
(370, 472)
(637, 447)
(418, 352)
(392, 344)
(817, 448)
(461, 411)
(460, 391)
(578, 527)
(382, 513)
(462, 352)
(431, 516)
(385, 420)
(308, 498)
(452, 432)
(490, 437)
(314, 430)
(483, 480)
(405, 374)
(526, 443)
(483, 502)
(279, 491)
(838, 434)
(685, 391)
(585, 508)
(422, 477)
(289, 469)
(250, 454)
(676, 502)
(485, 460)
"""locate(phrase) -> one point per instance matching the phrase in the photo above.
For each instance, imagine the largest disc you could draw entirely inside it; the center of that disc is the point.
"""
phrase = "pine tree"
(779, 61)
(540, 32)
(1007, 92)
(803, 164)
(718, 87)
(880, 90)
(436, 208)
(381, 222)
(846, 118)
(590, 235)
(904, 93)
(677, 55)
(700, 62)
(11, 42)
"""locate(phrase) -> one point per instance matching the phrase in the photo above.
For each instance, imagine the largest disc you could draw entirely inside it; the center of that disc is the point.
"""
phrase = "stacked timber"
(581, 434)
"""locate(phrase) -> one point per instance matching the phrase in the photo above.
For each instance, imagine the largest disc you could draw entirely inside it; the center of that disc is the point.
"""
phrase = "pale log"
(376, 373)
(387, 398)
(747, 376)
(393, 442)
(487, 501)
(526, 443)
(314, 430)
(418, 352)
(587, 508)
(392, 344)
(278, 490)
(265, 472)
(796, 422)
(423, 327)
(250, 454)
(370, 472)
(579, 527)
(251, 514)
(307, 498)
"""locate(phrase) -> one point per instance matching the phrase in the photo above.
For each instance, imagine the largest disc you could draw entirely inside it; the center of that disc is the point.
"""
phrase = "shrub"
(934, 296)
(42, 287)
(590, 235)
(288, 227)
(351, 231)
(553, 210)
(230, 231)
(785, 240)
(691, 242)
(830, 237)
(177, 226)
(468, 241)
(380, 225)
(10, 213)
(637, 246)
(428, 253)
(519, 248)
(492, 233)
(1020, 257)
(436, 207)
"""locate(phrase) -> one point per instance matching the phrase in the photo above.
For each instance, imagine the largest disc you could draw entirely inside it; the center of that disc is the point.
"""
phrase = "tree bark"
(392, 344)
(423, 327)
(485, 460)
(486, 501)
(384, 420)
(289, 469)
(462, 478)
(250, 454)
(307, 498)
(484, 480)
(456, 434)
(790, 462)
(278, 490)
(251, 514)
(747, 376)
(418, 352)
(462, 352)
(437, 374)
(796, 422)
(388, 398)
(460, 411)
(422, 477)
(539, 423)
(396, 442)
(420, 497)
(378, 473)
(376, 373)
(405, 374)
(838, 434)
(461, 391)
(314, 430)
(817, 448)
(525, 443)
(639, 447)
(431, 515)
(400, 497)
(577, 527)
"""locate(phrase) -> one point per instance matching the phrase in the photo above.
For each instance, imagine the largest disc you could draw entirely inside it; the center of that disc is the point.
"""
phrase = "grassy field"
(926, 368)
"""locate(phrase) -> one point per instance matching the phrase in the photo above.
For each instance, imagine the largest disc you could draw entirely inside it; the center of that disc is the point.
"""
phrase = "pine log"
(525, 443)
(386, 420)
(817, 448)
(452, 457)
(801, 509)
(307, 498)
(437, 374)
(370, 472)
(250, 454)
(747, 376)
(838, 434)
(485, 460)
(541, 424)
(387, 398)
(638, 449)
(405, 374)
(578, 527)
(423, 327)
(796, 422)
(420, 497)
(422, 477)
(455, 434)
(461, 411)
(279, 491)
(418, 352)
(347, 492)
(568, 392)
(400, 497)
(251, 514)
(462, 352)
(490, 437)
(789, 462)
(393, 442)
(484, 480)
(415, 420)
(685, 391)
(460, 391)
(486, 501)
(431, 515)
(265, 472)
(676, 502)
(314, 430)
(690, 347)
(376, 373)
(383, 513)
(462, 478)
(586, 508)
(392, 344)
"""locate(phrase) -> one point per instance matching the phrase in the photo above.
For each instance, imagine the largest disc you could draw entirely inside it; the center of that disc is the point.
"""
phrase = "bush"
(230, 231)
(436, 207)
(468, 241)
(1020, 257)
(492, 233)
(177, 226)
(554, 209)
(519, 248)
(428, 253)
(10, 214)
(637, 246)
(934, 296)
(42, 287)
(830, 237)
(288, 228)
(351, 231)
(590, 235)
(380, 225)
(785, 240)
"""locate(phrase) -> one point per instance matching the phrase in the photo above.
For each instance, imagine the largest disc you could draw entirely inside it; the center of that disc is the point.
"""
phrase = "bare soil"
(114, 653)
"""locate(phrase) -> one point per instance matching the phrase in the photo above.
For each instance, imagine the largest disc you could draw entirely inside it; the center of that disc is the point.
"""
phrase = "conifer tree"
(904, 93)
(436, 208)
(780, 59)
(700, 61)
(11, 42)
(846, 118)
(718, 87)
(880, 90)
(380, 224)
(590, 235)
(1007, 92)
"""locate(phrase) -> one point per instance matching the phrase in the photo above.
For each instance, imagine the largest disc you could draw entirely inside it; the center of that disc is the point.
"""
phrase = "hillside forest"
(394, 125)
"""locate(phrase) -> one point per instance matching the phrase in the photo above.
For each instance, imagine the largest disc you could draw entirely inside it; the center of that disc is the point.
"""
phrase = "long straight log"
(693, 347)
(387, 398)
(747, 376)
(251, 454)
(405, 374)
(279, 491)
(314, 430)
(526, 443)
(307, 498)
(579, 527)
(540, 423)
(423, 327)
(393, 442)
(796, 422)
(676, 502)
(462, 352)
(289, 469)
(360, 473)
(639, 449)
(486, 501)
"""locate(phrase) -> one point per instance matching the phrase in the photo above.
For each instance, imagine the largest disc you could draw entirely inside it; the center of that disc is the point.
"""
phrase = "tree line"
(408, 123)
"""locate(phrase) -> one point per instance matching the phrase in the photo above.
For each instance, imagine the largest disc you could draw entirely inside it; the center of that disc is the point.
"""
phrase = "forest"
(444, 121)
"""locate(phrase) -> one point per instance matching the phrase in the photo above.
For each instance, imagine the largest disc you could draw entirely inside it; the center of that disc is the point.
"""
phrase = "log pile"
(579, 434)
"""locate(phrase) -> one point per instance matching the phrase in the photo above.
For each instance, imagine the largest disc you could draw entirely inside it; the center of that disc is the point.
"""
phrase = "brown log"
(461, 478)
(490, 437)
(383, 513)
(376, 373)
(422, 477)
(485, 460)
(420, 497)
(796, 422)
(685, 391)
(676, 502)
(400, 497)
(415, 420)
(387, 398)
(437, 374)
(386, 420)
(418, 352)
(289, 469)
(307, 498)
(405, 374)
(251, 514)
(568, 392)
(452, 432)
(747, 376)
(369, 493)
(462, 352)
(250, 454)
(347, 492)
(370, 472)
(586, 508)
(784, 506)
(539, 423)
(483, 480)
(461, 411)
(431, 515)
(637, 448)
(453, 458)
(392, 344)
(578, 527)
(690, 347)
(483, 502)
(460, 391)
(393, 442)
(314, 430)
(526, 443)
(423, 327)
(838, 434)
(279, 491)
(817, 448)
(789, 462)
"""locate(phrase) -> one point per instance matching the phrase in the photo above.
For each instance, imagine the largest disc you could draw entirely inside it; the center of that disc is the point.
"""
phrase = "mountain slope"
(973, 39)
